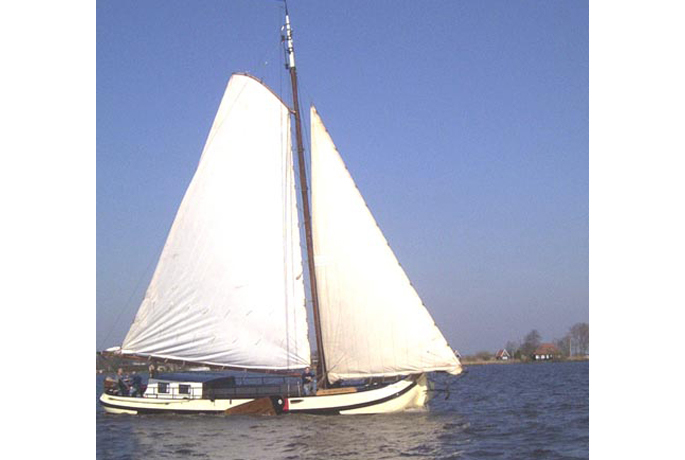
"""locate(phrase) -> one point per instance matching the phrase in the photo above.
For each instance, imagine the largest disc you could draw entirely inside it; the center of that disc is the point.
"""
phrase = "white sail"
(228, 288)
(373, 322)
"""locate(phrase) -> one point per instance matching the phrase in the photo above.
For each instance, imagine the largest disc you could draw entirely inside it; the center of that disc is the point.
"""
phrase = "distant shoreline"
(142, 368)
(519, 361)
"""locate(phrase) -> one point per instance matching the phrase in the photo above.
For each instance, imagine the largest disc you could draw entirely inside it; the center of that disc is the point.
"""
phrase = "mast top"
(290, 50)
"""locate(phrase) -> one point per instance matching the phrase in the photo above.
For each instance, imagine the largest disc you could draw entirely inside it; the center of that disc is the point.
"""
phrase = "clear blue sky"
(464, 124)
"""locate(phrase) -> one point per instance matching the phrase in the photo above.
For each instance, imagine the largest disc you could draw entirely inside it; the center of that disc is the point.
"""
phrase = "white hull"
(409, 393)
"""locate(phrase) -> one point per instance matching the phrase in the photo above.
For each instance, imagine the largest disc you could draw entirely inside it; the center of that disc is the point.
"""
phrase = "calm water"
(517, 411)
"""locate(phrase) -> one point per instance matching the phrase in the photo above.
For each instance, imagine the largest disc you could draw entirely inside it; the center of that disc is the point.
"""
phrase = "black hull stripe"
(141, 410)
(337, 410)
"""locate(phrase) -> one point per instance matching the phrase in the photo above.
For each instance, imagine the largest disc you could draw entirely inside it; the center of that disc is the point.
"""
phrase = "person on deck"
(122, 383)
(308, 381)
(136, 386)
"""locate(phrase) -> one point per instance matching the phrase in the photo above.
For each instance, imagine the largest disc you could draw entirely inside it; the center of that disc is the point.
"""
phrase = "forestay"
(228, 287)
(372, 320)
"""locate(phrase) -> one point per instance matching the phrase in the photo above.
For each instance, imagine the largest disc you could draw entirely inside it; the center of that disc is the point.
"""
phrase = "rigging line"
(264, 62)
(287, 217)
(260, 65)
(306, 128)
(307, 148)
(127, 305)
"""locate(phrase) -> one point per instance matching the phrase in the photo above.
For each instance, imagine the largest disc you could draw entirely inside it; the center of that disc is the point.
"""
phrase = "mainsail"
(228, 288)
(373, 321)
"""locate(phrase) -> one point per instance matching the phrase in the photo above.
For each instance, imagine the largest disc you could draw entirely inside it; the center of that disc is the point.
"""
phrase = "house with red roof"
(503, 355)
(546, 351)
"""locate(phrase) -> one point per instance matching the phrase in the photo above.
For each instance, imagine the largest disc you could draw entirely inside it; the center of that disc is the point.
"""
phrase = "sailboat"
(229, 288)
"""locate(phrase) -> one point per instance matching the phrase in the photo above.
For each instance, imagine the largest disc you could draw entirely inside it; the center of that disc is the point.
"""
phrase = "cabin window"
(162, 387)
(184, 389)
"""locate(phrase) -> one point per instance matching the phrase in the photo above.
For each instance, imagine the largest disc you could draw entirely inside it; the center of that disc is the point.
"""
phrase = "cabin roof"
(217, 377)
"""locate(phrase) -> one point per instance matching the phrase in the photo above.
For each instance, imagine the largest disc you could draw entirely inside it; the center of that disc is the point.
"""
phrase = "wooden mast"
(321, 373)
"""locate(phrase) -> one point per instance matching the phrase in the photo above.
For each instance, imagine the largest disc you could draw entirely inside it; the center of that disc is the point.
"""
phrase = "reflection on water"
(508, 411)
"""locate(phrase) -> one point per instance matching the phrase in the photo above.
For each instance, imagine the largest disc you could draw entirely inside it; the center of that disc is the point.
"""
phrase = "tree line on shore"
(576, 343)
